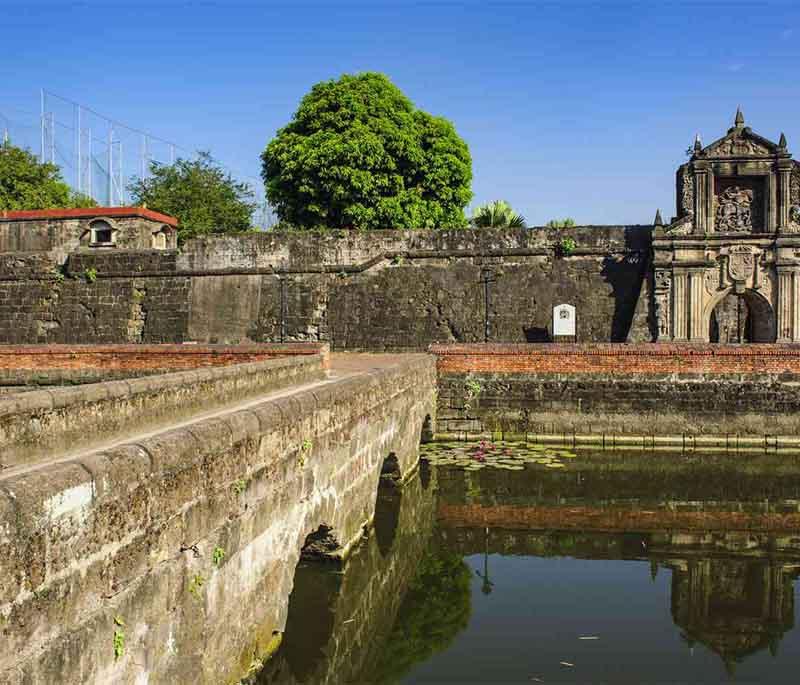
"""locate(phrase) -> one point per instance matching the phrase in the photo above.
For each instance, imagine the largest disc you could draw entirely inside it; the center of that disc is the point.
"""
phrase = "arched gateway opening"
(742, 318)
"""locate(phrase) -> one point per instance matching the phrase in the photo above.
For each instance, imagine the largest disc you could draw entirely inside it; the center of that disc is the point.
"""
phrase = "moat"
(513, 563)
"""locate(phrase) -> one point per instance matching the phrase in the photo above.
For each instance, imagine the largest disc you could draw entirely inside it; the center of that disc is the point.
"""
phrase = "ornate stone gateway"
(737, 233)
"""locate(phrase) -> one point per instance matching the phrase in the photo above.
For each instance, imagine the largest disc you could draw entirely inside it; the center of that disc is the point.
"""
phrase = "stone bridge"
(167, 553)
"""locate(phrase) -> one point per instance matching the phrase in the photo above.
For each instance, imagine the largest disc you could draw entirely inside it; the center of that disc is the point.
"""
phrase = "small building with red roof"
(62, 231)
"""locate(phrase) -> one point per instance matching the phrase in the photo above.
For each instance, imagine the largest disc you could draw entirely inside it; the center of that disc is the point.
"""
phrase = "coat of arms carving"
(741, 262)
(734, 210)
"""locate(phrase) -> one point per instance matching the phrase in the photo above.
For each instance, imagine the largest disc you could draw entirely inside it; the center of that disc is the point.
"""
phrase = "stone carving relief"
(734, 147)
(711, 281)
(734, 210)
(681, 227)
(794, 199)
(686, 191)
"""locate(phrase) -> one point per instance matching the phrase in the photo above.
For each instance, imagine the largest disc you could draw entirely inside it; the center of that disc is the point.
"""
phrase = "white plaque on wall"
(563, 320)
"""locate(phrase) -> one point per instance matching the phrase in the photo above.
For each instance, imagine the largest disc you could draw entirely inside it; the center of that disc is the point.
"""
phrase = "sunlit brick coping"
(90, 213)
(617, 349)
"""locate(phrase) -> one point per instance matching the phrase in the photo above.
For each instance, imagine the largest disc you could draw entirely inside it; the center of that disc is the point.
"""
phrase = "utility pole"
(41, 120)
(110, 198)
(487, 278)
(80, 161)
(282, 281)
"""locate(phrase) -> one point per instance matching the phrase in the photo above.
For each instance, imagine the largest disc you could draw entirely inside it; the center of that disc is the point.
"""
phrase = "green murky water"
(513, 563)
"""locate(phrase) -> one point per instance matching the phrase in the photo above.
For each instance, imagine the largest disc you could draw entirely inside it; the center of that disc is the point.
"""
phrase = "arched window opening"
(102, 234)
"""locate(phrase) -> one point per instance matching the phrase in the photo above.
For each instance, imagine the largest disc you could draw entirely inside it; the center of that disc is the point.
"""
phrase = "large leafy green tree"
(27, 183)
(497, 214)
(199, 193)
(358, 154)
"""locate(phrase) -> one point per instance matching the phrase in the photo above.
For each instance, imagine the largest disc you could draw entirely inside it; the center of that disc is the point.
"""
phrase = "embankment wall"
(651, 389)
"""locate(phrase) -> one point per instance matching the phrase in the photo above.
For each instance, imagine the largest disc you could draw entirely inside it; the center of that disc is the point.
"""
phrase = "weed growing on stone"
(240, 486)
(472, 387)
(217, 556)
(90, 274)
(305, 448)
(196, 584)
(567, 246)
(119, 637)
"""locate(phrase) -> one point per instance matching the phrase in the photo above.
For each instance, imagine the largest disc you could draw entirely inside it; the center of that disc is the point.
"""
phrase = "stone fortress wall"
(382, 290)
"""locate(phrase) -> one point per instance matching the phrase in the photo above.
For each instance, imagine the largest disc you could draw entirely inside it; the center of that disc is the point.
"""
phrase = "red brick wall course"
(147, 357)
(605, 358)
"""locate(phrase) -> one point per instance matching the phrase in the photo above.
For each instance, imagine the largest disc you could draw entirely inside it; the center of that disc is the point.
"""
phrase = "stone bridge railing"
(157, 561)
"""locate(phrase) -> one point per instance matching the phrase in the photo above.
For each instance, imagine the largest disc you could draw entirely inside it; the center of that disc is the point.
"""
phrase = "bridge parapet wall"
(133, 532)
(38, 424)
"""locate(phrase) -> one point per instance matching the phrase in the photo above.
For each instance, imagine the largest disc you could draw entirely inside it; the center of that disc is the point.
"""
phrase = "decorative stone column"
(702, 212)
(695, 314)
(785, 308)
(784, 201)
(679, 318)
(795, 303)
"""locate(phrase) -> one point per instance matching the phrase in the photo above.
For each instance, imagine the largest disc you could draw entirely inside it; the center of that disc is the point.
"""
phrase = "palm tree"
(497, 214)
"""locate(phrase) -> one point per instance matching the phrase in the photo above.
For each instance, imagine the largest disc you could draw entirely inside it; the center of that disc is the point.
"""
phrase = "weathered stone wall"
(35, 425)
(123, 541)
(640, 390)
(374, 290)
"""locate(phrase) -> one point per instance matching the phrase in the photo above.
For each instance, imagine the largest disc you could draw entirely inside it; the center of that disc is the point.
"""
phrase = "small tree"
(561, 223)
(497, 214)
(199, 193)
(27, 183)
(358, 154)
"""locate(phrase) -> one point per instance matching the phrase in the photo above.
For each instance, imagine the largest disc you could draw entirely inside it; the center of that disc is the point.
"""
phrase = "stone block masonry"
(376, 290)
(183, 545)
(654, 389)
(39, 424)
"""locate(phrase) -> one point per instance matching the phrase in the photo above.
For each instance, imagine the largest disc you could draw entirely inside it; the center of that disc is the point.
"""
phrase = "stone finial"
(698, 144)
(658, 221)
(782, 141)
(739, 120)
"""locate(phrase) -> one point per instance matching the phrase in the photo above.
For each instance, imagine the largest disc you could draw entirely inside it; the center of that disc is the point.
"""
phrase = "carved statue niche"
(663, 281)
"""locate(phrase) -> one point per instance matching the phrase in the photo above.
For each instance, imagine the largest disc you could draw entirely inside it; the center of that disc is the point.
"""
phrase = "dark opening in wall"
(321, 545)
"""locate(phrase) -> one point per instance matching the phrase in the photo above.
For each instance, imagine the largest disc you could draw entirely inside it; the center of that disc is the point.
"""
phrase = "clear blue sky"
(570, 108)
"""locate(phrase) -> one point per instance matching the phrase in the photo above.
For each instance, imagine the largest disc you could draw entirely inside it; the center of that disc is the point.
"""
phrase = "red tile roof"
(90, 213)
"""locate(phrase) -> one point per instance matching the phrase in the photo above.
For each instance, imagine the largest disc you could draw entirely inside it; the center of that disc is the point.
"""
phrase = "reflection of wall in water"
(735, 607)
(731, 591)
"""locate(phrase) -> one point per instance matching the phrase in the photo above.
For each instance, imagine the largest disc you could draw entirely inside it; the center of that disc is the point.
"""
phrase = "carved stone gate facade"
(736, 234)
